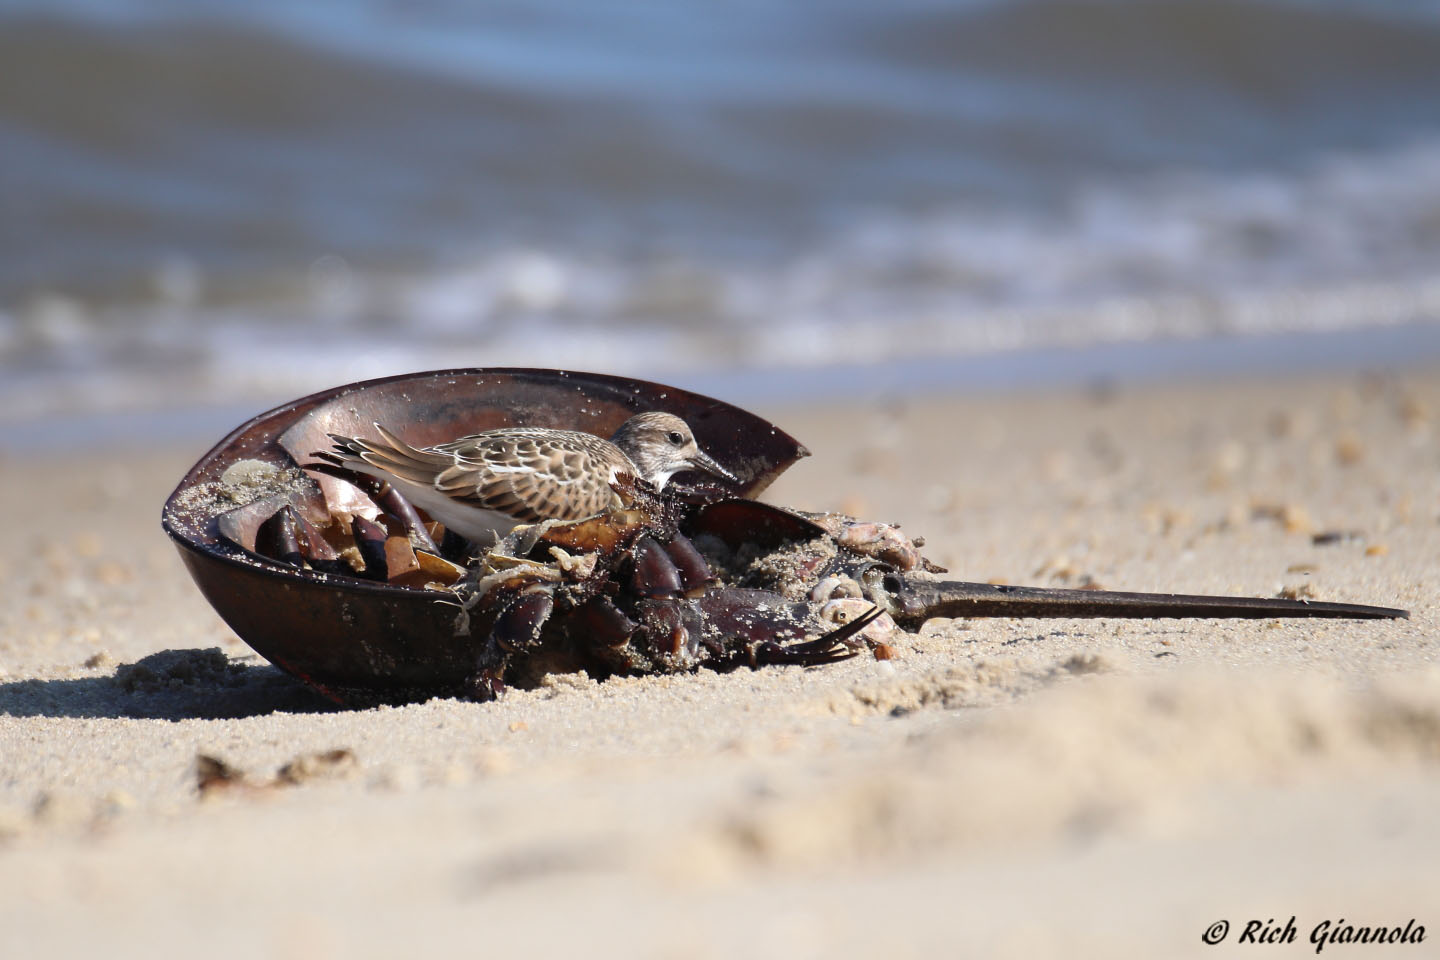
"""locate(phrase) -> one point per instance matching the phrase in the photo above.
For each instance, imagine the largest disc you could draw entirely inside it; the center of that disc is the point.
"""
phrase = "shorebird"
(483, 485)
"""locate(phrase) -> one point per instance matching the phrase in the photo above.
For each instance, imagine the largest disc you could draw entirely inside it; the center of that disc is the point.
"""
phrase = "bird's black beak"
(703, 461)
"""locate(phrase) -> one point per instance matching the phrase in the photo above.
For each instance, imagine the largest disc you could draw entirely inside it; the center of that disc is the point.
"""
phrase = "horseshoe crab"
(337, 579)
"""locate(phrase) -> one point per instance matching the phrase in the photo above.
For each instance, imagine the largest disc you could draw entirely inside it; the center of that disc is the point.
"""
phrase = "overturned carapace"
(354, 611)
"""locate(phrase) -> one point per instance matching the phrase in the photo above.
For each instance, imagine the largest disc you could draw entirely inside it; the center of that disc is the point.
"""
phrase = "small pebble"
(1293, 517)
(337, 764)
(1349, 450)
(213, 774)
(1412, 412)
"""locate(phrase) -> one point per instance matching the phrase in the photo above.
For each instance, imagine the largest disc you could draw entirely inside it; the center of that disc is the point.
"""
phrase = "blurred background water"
(215, 203)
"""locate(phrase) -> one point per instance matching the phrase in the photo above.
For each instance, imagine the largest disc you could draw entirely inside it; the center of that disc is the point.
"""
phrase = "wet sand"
(1004, 787)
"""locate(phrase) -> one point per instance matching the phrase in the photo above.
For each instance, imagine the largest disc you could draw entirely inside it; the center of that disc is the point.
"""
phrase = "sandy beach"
(1003, 788)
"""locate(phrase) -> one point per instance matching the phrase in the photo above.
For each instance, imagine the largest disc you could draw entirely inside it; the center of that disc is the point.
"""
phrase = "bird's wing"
(531, 475)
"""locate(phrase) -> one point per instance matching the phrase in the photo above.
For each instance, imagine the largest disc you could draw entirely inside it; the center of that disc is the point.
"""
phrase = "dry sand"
(1006, 787)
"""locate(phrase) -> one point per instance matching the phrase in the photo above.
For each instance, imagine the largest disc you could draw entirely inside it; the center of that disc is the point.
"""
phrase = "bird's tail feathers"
(392, 455)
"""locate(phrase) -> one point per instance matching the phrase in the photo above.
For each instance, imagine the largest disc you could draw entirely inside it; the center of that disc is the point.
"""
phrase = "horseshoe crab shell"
(363, 641)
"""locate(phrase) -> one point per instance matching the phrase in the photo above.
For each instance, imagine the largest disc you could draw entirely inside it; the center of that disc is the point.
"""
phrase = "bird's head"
(661, 445)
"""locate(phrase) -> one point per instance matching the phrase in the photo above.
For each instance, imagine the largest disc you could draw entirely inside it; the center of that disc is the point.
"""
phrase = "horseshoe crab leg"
(831, 647)
(386, 497)
(911, 601)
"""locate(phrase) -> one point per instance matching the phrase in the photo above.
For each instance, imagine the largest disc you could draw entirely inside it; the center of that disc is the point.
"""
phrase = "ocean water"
(212, 204)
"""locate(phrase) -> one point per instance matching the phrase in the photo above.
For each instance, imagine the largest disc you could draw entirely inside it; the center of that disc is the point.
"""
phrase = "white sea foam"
(654, 197)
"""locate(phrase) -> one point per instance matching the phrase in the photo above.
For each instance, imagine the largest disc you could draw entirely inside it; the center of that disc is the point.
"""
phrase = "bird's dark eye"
(674, 437)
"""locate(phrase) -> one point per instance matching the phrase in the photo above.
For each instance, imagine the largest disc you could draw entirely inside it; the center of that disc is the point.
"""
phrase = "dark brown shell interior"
(365, 641)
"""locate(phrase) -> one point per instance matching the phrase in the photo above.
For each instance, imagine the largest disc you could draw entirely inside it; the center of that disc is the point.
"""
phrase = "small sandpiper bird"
(483, 485)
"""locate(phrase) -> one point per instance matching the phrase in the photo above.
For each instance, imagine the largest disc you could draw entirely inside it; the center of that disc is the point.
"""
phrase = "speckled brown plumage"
(481, 485)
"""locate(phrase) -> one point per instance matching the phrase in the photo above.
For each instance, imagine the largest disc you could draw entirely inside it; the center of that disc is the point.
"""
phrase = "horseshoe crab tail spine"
(910, 601)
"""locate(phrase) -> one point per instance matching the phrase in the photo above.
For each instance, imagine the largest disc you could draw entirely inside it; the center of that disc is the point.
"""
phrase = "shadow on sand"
(169, 685)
